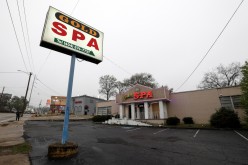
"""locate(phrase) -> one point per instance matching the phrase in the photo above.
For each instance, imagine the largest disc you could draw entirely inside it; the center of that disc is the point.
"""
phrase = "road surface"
(124, 145)
(7, 117)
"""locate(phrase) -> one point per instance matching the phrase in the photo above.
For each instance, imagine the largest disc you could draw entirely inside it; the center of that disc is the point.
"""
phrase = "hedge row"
(103, 118)
(175, 120)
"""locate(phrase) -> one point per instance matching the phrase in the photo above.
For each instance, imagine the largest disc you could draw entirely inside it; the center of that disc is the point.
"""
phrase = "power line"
(74, 7)
(28, 36)
(48, 87)
(23, 34)
(51, 50)
(211, 46)
(117, 65)
(42, 91)
(16, 37)
(42, 66)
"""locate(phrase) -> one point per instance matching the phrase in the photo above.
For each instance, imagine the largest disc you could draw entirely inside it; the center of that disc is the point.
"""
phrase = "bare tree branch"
(222, 77)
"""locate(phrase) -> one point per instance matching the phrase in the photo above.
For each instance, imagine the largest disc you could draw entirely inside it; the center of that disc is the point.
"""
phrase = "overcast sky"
(166, 38)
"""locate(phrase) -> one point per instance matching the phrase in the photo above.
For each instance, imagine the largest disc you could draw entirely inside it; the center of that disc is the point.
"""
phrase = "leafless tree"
(145, 79)
(120, 87)
(222, 76)
(107, 86)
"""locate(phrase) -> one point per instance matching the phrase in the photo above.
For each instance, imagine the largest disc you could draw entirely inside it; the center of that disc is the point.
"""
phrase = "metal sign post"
(68, 100)
(73, 37)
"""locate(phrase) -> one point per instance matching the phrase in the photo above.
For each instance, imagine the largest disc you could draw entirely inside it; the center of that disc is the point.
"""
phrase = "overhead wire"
(117, 65)
(40, 90)
(17, 37)
(78, 60)
(210, 46)
(31, 55)
(51, 50)
(74, 7)
(48, 87)
(23, 34)
(44, 63)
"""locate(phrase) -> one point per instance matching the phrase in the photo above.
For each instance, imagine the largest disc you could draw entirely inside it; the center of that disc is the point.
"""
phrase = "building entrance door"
(142, 113)
(129, 112)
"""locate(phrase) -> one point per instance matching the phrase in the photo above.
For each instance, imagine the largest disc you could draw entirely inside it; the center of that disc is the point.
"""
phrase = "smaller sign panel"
(67, 35)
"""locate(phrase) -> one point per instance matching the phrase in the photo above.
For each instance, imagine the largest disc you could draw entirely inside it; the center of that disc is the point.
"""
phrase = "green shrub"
(225, 118)
(103, 118)
(172, 121)
(188, 120)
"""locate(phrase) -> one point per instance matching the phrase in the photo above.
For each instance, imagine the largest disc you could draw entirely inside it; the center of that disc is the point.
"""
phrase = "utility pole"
(40, 107)
(24, 101)
(31, 90)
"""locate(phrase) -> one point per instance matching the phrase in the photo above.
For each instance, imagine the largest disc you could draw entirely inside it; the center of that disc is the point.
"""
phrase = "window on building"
(104, 111)
(237, 101)
(231, 102)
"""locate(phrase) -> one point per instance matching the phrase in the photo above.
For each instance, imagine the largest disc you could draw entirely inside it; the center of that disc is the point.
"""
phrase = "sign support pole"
(68, 100)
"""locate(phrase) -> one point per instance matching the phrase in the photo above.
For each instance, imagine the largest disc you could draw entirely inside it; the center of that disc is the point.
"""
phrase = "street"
(7, 117)
(106, 144)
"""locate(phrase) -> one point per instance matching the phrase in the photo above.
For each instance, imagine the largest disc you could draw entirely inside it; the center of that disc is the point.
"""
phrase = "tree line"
(8, 103)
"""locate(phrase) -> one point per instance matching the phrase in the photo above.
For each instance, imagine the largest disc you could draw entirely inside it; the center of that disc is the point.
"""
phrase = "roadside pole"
(24, 101)
(68, 100)
(70, 36)
(31, 90)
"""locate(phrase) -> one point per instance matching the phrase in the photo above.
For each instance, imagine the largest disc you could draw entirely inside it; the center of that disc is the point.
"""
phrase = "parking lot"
(106, 144)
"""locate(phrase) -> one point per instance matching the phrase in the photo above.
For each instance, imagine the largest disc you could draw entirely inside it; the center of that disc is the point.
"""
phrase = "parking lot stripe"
(241, 135)
(196, 133)
(133, 129)
(159, 131)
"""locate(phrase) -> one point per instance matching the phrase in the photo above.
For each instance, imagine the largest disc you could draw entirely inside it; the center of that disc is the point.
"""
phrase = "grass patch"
(23, 148)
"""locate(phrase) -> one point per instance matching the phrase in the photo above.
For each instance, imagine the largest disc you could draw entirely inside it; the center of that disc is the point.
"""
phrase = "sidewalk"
(11, 135)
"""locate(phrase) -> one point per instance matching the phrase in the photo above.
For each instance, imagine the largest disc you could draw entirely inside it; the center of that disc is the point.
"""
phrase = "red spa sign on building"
(142, 95)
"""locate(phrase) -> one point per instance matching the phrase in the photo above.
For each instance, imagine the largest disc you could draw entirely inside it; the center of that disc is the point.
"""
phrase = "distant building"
(156, 105)
(107, 108)
(84, 105)
(57, 103)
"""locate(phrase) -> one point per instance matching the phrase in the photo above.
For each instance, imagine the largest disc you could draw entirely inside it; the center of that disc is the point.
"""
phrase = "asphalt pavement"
(5, 117)
(124, 145)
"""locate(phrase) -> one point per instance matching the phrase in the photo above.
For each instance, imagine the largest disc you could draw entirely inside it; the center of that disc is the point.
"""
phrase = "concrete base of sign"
(125, 121)
(62, 151)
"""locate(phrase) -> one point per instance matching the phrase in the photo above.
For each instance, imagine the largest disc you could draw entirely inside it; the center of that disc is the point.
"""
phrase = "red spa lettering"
(77, 35)
(59, 29)
(93, 43)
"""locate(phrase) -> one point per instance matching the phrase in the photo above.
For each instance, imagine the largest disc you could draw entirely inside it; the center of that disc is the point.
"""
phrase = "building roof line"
(237, 86)
(141, 101)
